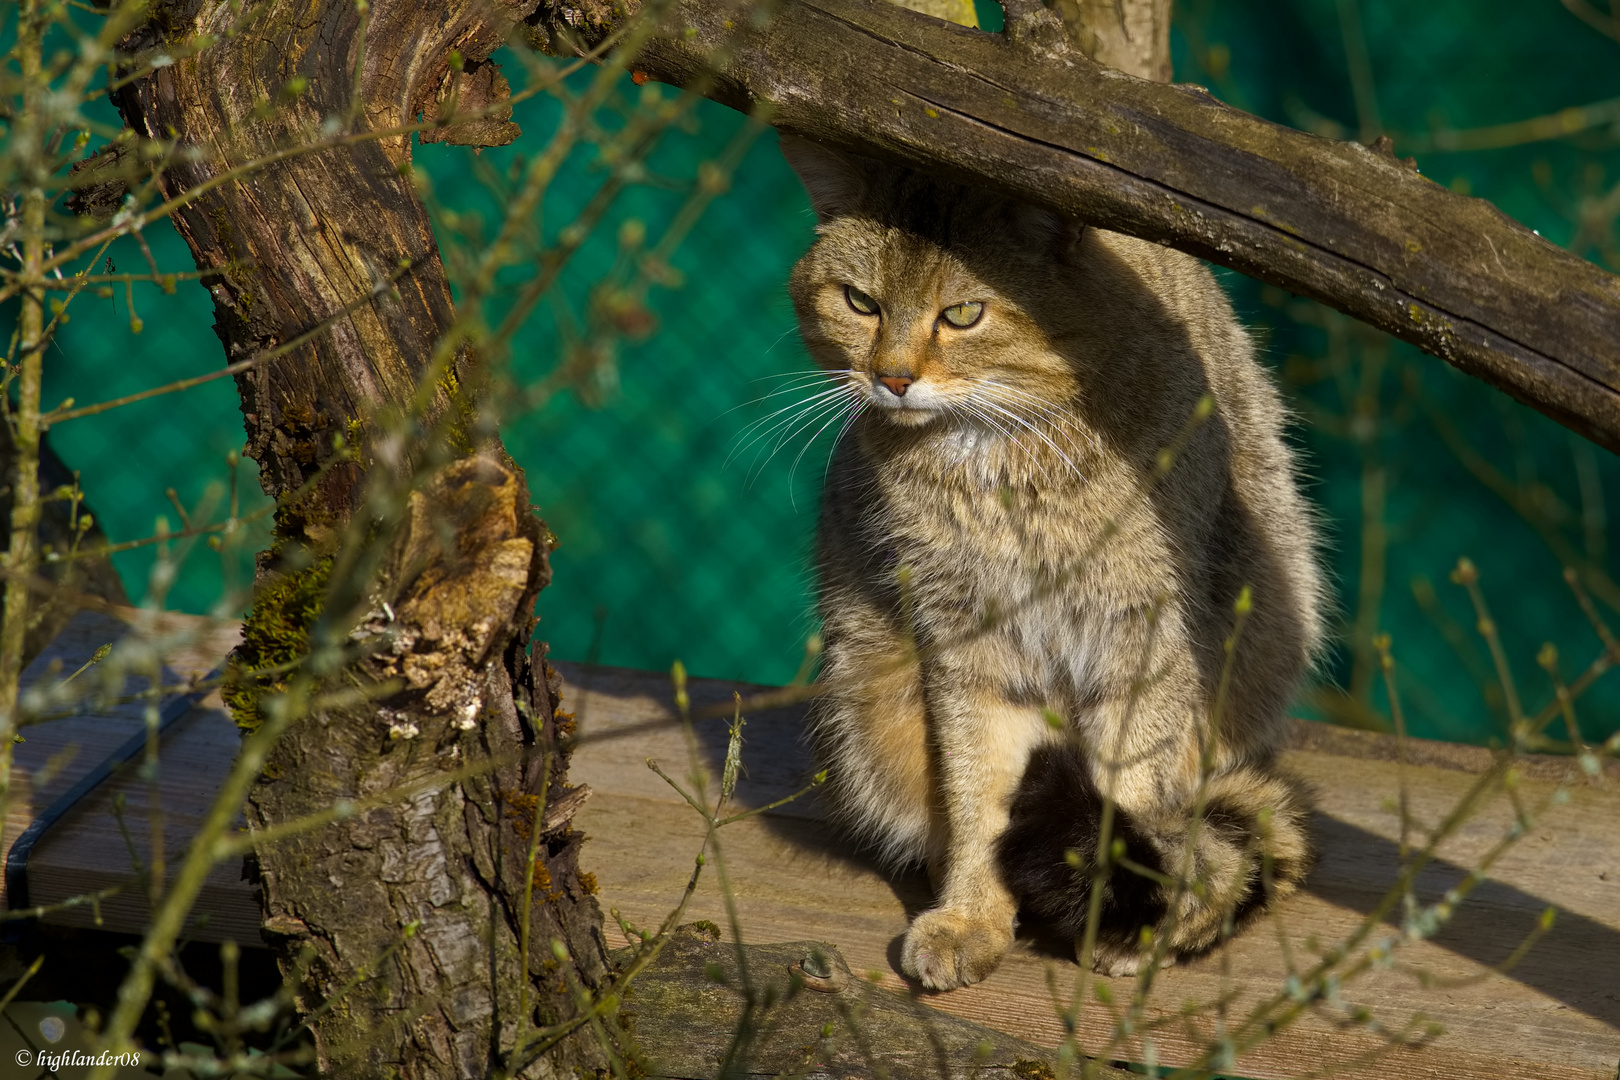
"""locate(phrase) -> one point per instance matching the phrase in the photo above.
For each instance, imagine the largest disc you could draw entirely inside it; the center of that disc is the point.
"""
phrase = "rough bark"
(437, 879)
(402, 921)
(302, 241)
(1027, 114)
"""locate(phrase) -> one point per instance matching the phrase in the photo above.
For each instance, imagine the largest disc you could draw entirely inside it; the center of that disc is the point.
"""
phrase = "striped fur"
(1005, 567)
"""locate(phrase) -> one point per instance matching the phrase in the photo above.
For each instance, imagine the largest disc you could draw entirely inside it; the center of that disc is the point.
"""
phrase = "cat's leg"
(982, 744)
(870, 732)
(1219, 821)
(1059, 826)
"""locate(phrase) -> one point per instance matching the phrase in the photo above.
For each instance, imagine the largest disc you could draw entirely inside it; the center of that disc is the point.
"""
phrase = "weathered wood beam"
(1025, 113)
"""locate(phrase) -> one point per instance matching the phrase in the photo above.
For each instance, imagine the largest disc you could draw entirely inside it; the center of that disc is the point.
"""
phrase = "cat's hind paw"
(1119, 961)
(946, 949)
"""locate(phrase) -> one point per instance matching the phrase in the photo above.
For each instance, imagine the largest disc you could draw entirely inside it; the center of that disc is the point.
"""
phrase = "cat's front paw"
(945, 949)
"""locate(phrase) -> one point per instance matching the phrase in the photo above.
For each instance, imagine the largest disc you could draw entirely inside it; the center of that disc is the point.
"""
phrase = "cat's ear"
(1058, 235)
(834, 181)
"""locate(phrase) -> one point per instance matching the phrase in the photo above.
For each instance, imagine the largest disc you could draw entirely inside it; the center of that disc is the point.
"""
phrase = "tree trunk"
(403, 920)
(1132, 36)
(435, 882)
(1025, 113)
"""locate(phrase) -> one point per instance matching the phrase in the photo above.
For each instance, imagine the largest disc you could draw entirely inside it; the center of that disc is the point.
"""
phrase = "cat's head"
(937, 300)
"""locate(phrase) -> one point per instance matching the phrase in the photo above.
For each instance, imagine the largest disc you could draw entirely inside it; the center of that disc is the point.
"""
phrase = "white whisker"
(828, 389)
(792, 416)
(790, 330)
(784, 433)
(855, 414)
(1062, 422)
(1055, 414)
(1023, 421)
(802, 421)
(803, 380)
(807, 374)
(758, 430)
(853, 406)
(975, 410)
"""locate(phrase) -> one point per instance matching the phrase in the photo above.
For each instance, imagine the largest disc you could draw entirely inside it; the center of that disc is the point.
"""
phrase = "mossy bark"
(400, 925)
(434, 880)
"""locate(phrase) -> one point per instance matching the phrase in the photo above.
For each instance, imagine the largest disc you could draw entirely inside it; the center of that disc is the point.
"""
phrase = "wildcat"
(1033, 541)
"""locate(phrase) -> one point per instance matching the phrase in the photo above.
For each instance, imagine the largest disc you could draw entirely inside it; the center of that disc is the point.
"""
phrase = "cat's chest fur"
(968, 512)
(1014, 562)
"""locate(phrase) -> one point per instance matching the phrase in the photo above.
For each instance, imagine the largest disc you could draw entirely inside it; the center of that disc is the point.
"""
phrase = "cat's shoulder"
(1162, 268)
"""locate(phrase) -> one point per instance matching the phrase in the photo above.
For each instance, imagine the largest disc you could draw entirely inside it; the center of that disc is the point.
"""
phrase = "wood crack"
(1348, 227)
(1279, 235)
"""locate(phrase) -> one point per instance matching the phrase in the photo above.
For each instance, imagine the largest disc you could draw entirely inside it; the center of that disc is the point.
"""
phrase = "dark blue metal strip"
(17, 860)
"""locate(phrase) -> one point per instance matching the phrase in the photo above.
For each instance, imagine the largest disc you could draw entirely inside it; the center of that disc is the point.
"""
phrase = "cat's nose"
(896, 383)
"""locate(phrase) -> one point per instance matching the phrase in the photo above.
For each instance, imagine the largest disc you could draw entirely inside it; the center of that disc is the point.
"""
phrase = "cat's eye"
(859, 301)
(963, 315)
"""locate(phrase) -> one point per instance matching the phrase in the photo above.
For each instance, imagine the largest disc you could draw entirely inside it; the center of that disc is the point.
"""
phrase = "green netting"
(668, 552)
(129, 457)
(666, 548)
(1456, 67)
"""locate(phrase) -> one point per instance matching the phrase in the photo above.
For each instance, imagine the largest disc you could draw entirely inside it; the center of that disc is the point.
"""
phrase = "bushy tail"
(1189, 882)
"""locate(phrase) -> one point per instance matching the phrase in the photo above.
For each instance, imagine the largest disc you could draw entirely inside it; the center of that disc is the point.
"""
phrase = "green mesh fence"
(666, 549)
(669, 552)
(128, 458)
(1454, 67)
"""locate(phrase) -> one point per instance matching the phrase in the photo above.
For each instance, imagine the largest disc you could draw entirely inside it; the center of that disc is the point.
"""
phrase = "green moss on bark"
(276, 634)
(461, 419)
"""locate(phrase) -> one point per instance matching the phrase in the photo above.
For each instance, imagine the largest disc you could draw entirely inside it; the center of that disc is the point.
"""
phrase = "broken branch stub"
(405, 917)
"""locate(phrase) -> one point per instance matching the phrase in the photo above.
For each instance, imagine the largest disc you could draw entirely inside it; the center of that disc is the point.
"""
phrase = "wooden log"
(1026, 114)
(701, 1016)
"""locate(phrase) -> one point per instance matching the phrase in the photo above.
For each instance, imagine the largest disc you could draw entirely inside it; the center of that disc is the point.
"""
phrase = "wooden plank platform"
(86, 851)
(1554, 1016)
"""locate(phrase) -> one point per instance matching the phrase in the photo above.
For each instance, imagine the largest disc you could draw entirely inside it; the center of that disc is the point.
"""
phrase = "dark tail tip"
(1251, 847)
(1047, 854)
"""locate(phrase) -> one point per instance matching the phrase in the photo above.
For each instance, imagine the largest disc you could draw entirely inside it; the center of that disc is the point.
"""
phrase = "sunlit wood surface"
(1554, 1015)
